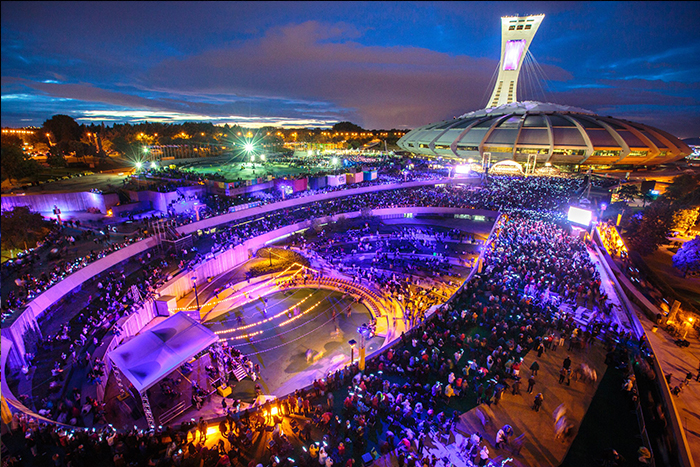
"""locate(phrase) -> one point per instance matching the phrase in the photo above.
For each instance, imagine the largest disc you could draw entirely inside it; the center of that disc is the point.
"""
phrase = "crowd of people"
(409, 389)
(499, 193)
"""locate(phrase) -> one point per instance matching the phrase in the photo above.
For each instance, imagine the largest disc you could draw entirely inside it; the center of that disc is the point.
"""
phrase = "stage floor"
(281, 345)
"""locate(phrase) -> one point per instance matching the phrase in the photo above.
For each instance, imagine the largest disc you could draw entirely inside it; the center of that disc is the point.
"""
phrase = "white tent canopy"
(154, 354)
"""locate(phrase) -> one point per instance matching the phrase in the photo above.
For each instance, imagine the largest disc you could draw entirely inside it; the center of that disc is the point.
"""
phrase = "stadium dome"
(545, 132)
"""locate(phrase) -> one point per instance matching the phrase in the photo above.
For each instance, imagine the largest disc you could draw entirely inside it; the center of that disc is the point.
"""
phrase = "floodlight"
(145, 149)
(334, 161)
(248, 147)
(139, 165)
(153, 165)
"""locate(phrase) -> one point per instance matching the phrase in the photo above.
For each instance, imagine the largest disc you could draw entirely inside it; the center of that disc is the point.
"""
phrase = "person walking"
(539, 398)
(534, 367)
(483, 455)
(516, 386)
(202, 429)
(688, 377)
(567, 363)
(540, 350)
(562, 375)
(530, 384)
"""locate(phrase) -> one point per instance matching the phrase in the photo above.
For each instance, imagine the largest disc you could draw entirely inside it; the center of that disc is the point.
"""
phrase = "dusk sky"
(380, 65)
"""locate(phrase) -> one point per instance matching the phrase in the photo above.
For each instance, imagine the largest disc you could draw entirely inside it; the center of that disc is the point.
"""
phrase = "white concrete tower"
(516, 35)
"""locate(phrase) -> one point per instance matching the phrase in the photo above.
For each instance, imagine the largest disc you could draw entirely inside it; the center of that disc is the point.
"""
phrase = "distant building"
(533, 132)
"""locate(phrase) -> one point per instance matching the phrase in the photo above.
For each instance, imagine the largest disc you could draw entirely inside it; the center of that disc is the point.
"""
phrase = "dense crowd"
(408, 390)
(500, 193)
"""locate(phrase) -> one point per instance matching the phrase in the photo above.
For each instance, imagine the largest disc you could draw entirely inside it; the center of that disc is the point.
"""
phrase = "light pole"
(352, 343)
(196, 295)
(688, 324)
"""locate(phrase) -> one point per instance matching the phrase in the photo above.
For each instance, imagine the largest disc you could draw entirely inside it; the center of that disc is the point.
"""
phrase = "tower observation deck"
(517, 33)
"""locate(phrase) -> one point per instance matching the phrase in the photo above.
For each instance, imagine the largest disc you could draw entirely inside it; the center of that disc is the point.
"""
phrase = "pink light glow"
(514, 50)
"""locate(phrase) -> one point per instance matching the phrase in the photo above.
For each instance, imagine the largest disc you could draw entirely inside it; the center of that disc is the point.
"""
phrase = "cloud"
(383, 86)
(321, 72)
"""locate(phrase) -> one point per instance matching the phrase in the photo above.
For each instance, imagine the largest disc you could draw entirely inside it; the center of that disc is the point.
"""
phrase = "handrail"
(684, 456)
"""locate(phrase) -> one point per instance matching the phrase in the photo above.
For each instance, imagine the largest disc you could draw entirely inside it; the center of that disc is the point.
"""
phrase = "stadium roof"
(551, 132)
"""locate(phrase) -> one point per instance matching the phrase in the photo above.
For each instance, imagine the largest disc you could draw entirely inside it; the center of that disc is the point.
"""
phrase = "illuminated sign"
(462, 169)
(579, 216)
(514, 51)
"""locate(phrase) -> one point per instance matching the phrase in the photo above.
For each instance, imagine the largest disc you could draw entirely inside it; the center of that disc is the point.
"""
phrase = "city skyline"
(380, 65)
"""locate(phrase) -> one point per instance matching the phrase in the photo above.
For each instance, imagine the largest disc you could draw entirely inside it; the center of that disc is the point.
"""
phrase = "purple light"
(514, 50)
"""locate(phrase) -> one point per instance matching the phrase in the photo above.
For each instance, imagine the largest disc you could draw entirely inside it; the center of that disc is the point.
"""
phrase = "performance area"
(296, 323)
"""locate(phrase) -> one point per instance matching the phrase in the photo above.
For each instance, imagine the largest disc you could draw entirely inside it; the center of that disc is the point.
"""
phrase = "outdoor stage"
(280, 346)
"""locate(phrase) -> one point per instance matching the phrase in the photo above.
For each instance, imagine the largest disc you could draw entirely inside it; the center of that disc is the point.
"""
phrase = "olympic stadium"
(531, 132)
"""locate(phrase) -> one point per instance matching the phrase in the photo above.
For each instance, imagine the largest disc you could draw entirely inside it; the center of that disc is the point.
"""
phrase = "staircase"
(239, 371)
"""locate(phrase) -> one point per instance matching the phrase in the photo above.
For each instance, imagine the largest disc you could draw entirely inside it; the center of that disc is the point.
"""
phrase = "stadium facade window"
(606, 153)
(497, 149)
(533, 150)
(569, 152)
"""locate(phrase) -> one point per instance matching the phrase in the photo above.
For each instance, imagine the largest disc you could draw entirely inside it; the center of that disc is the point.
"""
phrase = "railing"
(643, 426)
(676, 431)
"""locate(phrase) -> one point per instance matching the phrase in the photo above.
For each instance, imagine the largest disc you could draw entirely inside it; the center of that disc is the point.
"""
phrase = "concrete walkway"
(540, 448)
(679, 361)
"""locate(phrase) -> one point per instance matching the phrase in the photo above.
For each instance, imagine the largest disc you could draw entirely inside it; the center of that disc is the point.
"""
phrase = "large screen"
(514, 50)
(580, 216)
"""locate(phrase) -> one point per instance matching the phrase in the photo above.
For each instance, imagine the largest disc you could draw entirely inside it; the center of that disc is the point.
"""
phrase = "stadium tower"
(517, 33)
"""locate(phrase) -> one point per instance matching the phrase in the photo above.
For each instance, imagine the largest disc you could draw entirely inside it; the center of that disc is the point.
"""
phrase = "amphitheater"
(223, 293)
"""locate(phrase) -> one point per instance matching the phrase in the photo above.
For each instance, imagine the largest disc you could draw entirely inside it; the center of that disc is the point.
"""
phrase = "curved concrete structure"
(552, 133)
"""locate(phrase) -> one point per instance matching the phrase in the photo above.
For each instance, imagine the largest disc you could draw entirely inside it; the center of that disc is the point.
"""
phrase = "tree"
(684, 219)
(687, 258)
(21, 228)
(347, 127)
(15, 164)
(63, 128)
(628, 192)
(649, 229)
(55, 157)
(684, 191)
(11, 140)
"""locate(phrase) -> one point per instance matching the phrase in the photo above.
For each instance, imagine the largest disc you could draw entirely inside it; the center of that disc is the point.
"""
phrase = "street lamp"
(196, 295)
(689, 324)
(352, 343)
